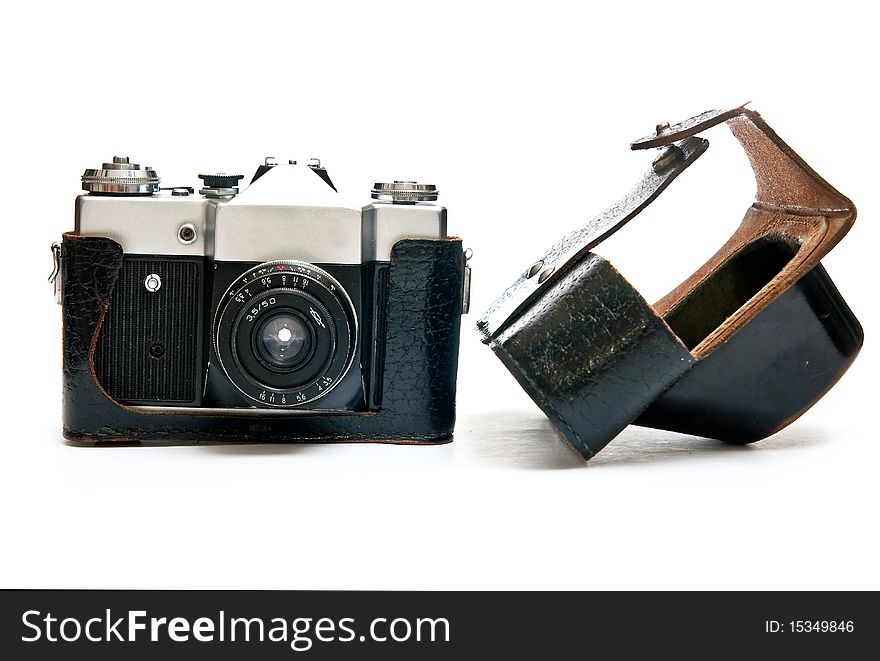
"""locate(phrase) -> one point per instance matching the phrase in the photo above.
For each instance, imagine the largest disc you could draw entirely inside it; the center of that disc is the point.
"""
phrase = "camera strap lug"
(466, 283)
(55, 276)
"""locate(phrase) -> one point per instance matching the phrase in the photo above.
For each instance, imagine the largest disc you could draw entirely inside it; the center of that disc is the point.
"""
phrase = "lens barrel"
(285, 333)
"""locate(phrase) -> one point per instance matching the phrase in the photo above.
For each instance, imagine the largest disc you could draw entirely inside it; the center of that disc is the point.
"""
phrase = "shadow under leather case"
(423, 297)
(738, 351)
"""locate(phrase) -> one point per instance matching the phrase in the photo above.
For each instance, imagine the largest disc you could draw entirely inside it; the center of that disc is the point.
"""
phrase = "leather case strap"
(563, 255)
(793, 205)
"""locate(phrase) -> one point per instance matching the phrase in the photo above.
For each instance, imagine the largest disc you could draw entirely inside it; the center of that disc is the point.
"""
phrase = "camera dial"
(121, 177)
(220, 185)
(285, 333)
(404, 192)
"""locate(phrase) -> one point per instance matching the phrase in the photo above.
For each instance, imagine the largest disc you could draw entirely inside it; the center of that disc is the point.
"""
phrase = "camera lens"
(284, 340)
(285, 333)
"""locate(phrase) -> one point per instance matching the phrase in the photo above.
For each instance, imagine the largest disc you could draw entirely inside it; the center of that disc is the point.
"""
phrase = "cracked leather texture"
(593, 382)
(421, 359)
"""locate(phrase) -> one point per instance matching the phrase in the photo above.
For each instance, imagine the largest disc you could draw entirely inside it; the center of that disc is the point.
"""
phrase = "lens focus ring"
(285, 333)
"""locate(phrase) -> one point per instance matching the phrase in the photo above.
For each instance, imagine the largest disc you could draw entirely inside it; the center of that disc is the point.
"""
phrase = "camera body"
(268, 313)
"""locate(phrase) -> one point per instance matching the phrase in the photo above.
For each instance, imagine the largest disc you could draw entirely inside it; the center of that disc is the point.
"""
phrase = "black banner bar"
(105, 624)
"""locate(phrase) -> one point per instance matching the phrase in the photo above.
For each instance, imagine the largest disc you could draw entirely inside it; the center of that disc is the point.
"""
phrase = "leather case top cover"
(739, 350)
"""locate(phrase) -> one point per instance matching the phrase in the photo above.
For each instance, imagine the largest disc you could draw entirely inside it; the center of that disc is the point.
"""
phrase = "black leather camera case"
(424, 294)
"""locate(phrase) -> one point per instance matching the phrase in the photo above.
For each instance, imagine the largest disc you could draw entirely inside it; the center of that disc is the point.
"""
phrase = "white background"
(522, 114)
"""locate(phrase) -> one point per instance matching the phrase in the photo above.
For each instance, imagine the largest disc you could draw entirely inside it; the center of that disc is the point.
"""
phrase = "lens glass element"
(283, 340)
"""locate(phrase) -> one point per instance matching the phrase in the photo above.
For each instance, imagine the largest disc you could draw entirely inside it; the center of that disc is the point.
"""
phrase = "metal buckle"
(466, 283)
(55, 276)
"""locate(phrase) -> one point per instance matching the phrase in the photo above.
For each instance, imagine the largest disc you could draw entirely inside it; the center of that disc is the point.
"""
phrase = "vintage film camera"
(281, 312)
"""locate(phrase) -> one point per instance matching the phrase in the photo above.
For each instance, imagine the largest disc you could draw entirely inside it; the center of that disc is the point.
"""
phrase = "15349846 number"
(821, 626)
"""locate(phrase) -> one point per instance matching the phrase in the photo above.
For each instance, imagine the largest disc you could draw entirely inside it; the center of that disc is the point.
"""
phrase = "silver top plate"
(288, 213)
